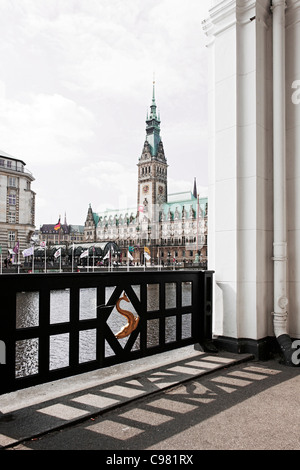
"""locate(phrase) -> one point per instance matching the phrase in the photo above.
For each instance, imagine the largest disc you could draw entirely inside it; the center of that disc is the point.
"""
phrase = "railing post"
(196, 310)
(206, 306)
(7, 343)
(3, 366)
(208, 289)
(2, 352)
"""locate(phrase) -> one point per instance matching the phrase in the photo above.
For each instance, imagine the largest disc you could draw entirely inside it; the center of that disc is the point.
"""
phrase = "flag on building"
(84, 254)
(16, 248)
(57, 253)
(28, 252)
(147, 253)
(57, 226)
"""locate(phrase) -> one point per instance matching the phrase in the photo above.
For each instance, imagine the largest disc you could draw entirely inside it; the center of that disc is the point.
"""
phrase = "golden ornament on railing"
(132, 320)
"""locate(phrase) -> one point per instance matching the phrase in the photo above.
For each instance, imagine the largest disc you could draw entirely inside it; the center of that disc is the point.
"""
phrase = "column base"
(262, 349)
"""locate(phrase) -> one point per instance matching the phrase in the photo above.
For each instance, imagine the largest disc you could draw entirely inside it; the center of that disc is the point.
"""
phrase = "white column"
(279, 169)
(240, 200)
(292, 77)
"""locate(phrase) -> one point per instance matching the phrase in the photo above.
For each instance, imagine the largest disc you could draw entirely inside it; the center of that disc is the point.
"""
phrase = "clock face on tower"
(146, 189)
(160, 189)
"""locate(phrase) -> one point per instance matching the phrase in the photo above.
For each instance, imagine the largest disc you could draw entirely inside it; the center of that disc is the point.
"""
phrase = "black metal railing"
(58, 325)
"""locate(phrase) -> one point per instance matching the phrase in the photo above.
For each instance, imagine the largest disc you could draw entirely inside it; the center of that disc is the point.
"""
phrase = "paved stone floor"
(199, 402)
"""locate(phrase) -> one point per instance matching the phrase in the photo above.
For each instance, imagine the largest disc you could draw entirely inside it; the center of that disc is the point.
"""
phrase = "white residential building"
(17, 204)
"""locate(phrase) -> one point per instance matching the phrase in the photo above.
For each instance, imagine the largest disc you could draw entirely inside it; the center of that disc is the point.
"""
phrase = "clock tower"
(152, 168)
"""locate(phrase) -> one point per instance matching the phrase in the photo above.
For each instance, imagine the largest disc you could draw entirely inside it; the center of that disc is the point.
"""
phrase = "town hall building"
(172, 228)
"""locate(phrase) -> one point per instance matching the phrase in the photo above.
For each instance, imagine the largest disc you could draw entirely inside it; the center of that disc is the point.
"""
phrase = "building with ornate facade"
(172, 227)
(66, 235)
(17, 204)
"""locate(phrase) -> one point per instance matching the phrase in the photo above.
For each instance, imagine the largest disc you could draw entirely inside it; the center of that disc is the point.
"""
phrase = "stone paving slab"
(33, 412)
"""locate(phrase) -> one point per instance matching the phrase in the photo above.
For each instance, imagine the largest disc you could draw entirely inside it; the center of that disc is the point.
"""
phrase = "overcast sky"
(76, 85)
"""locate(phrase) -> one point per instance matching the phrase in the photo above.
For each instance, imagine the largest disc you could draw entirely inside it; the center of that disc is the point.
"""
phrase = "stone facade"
(68, 234)
(17, 204)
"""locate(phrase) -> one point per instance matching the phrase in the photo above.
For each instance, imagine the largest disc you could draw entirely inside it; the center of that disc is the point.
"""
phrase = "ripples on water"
(28, 316)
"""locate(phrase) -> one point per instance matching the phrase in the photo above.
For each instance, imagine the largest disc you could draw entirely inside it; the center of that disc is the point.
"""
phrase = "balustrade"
(62, 324)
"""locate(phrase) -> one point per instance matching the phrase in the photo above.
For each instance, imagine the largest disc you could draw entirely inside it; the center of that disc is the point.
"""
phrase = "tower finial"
(195, 192)
(153, 125)
(153, 96)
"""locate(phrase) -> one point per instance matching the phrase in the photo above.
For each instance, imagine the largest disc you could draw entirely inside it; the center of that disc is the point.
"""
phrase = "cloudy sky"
(76, 85)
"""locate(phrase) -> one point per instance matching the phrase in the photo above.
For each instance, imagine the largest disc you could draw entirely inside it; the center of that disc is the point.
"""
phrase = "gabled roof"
(76, 228)
(116, 214)
(186, 200)
(180, 197)
(96, 218)
(176, 201)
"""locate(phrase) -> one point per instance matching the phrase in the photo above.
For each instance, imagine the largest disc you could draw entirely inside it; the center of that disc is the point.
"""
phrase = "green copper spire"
(153, 126)
(153, 106)
(195, 192)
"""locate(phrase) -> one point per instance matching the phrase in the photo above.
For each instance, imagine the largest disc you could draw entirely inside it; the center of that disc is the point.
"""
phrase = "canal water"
(28, 316)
